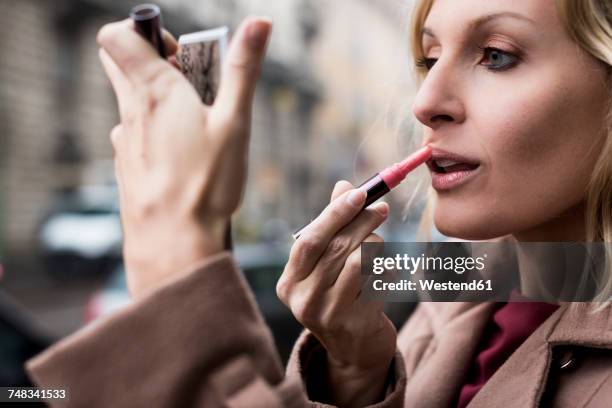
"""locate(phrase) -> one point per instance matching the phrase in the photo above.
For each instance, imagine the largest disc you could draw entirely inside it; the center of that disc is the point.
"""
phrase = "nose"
(438, 100)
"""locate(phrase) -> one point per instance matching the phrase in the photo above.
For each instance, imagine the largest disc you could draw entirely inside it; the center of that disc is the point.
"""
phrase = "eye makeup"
(506, 60)
(500, 59)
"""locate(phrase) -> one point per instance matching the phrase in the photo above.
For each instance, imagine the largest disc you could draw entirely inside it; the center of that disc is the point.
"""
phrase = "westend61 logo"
(411, 264)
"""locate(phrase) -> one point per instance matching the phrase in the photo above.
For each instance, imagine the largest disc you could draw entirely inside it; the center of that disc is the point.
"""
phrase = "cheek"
(539, 145)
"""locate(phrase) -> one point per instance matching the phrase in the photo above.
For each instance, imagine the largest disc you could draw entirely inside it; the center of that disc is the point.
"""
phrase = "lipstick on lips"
(383, 182)
(449, 170)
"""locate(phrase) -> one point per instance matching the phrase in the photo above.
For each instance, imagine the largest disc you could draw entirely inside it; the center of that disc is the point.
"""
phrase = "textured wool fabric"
(510, 325)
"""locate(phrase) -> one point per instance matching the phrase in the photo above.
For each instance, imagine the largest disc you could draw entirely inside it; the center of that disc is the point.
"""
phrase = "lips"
(448, 170)
(447, 162)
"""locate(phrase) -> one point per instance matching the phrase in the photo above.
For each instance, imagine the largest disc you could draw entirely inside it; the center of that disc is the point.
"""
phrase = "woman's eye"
(492, 58)
(497, 59)
(427, 63)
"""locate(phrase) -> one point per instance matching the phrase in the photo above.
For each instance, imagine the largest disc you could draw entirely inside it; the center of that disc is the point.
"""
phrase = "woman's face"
(511, 92)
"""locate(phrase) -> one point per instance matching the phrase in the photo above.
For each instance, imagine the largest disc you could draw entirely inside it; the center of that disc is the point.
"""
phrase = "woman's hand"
(181, 166)
(321, 285)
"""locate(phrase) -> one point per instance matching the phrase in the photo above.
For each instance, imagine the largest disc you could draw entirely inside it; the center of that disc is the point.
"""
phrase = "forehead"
(451, 14)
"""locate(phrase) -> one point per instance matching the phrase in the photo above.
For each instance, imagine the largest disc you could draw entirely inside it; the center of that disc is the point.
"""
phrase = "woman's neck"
(570, 226)
(542, 266)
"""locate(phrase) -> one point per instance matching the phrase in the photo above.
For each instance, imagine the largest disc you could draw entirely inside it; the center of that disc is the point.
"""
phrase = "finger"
(117, 141)
(115, 135)
(314, 239)
(350, 280)
(347, 240)
(174, 61)
(243, 64)
(119, 82)
(170, 43)
(134, 56)
(341, 187)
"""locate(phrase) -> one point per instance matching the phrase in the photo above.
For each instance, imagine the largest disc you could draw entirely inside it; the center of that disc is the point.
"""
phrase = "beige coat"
(202, 342)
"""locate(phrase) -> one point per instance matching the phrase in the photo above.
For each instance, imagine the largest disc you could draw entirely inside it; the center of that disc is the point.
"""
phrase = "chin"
(467, 225)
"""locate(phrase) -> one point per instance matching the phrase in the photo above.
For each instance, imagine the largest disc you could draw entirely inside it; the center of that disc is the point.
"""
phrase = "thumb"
(243, 64)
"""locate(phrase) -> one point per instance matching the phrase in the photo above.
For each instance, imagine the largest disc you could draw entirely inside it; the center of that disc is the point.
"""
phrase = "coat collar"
(583, 324)
(438, 345)
(521, 380)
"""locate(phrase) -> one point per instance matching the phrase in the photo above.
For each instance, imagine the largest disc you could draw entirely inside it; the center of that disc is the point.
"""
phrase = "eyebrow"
(485, 19)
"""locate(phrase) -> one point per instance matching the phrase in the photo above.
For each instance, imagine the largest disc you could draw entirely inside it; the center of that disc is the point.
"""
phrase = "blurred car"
(112, 297)
(262, 265)
(81, 236)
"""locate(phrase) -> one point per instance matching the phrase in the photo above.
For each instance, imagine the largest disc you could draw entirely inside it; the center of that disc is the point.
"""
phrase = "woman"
(505, 87)
(521, 88)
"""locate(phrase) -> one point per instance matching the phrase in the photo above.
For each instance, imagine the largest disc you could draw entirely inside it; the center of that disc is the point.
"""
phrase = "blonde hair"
(589, 23)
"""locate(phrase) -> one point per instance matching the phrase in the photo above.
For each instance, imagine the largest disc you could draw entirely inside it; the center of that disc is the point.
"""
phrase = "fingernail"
(382, 209)
(356, 198)
(258, 32)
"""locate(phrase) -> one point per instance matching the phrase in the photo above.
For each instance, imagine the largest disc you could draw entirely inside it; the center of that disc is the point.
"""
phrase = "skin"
(166, 134)
(534, 128)
(537, 145)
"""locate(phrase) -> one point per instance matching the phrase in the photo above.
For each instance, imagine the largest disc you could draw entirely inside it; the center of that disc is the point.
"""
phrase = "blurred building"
(330, 82)
(56, 109)
(332, 103)
(362, 57)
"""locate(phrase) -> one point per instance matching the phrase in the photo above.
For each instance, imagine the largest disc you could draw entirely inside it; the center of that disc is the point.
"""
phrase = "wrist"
(157, 252)
(352, 372)
(351, 385)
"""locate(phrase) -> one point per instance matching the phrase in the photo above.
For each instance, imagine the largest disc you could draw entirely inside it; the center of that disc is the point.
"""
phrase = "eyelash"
(428, 63)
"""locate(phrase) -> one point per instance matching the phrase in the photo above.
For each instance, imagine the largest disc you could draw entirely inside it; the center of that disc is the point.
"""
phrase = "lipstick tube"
(383, 182)
(148, 22)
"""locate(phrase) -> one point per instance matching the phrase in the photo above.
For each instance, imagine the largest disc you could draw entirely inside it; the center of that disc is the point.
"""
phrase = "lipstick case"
(200, 58)
(148, 22)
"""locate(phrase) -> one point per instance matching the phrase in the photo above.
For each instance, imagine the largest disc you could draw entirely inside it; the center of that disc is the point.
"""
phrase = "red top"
(511, 324)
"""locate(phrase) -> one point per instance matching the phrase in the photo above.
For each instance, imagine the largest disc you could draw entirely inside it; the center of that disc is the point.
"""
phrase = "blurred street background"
(333, 103)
